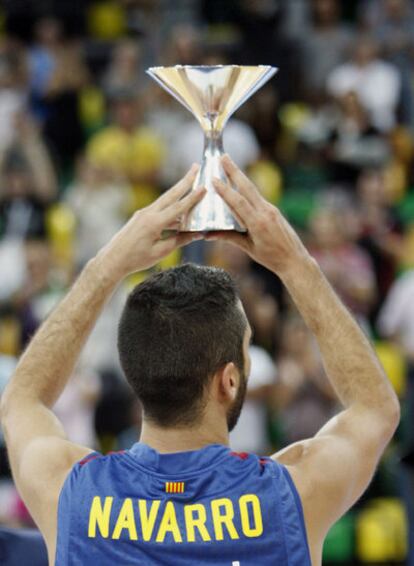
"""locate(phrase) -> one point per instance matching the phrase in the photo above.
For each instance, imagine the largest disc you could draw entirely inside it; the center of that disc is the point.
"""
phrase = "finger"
(240, 207)
(177, 191)
(183, 206)
(235, 238)
(241, 181)
(184, 238)
(166, 246)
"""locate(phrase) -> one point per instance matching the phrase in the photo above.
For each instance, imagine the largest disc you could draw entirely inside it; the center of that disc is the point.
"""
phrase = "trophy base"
(212, 230)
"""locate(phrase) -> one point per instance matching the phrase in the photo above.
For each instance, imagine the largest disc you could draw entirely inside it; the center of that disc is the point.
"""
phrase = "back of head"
(178, 328)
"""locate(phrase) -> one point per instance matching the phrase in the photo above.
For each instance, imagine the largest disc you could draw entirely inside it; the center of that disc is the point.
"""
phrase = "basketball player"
(180, 496)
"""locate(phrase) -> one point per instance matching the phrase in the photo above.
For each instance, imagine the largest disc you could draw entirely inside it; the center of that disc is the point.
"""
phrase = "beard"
(233, 413)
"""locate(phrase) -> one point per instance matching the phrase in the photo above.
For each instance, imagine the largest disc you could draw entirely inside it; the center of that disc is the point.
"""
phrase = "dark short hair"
(177, 329)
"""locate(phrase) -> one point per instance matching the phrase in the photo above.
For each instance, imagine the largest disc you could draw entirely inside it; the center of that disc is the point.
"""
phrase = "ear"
(228, 382)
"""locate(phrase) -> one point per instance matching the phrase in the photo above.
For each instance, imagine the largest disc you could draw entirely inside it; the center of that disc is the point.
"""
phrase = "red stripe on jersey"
(242, 455)
(88, 459)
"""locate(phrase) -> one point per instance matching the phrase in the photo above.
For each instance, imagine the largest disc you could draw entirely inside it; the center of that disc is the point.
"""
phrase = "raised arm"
(39, 453)
(334, 468)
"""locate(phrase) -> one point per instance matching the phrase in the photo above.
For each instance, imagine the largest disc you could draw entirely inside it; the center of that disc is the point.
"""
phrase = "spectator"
(324, 45)
(13, 265)
(381, 231)
(376, 83)
(396, 319)
(166, 118)
(345, 264)
(100, 204)
(42, 61)
(183, 45)
(40, 291)
(304, 399)
(28, 183)
(12, 89)
(348, 140)
(123, 72)
(261, 114)
(76, 406)
(127, 150)
(62, 127)
(373, 14)
(395, 35)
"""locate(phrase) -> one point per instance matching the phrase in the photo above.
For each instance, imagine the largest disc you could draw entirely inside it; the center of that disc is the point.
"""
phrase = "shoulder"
(48, 460)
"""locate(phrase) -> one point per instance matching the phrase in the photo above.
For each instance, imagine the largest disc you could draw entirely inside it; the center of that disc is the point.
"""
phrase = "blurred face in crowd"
(126, 57)
(326, 229)
(365, 52)
(325, 12)
(371, 187)
(17, 183)
(185, 45)
(90, 174)
(396, 9)
(48, 32)
(125, 113)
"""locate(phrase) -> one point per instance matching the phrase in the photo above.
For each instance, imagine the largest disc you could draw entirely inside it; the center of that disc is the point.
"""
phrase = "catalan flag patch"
(174, 487)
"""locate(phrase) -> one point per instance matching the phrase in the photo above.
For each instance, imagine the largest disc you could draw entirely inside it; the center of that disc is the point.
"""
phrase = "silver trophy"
(212, 94)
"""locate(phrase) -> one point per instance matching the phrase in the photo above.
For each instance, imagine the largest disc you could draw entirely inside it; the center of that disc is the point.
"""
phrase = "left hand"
(140, 243)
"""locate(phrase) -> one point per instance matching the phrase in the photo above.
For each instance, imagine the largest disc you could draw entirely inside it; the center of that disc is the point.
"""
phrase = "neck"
(181, 439)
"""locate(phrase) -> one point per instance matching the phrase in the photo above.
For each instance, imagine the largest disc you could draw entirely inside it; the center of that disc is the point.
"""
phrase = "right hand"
(270, 239)
(141, 243)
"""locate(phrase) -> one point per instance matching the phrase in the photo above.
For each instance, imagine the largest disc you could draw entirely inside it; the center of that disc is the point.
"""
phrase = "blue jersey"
(204, 507)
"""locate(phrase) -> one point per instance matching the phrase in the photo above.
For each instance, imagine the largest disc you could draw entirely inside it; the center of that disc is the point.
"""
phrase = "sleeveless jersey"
(204, 507)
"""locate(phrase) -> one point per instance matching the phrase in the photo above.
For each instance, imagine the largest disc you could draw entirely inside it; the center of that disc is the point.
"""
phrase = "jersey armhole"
(298, 503)
(63, 518)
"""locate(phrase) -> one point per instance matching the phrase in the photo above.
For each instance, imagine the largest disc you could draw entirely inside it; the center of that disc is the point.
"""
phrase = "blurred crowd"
(86, 139)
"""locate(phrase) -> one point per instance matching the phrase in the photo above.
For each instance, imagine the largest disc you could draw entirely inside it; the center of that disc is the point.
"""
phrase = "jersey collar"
(175, 462)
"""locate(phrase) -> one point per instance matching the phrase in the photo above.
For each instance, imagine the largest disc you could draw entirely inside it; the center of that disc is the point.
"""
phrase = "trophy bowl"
(212, 94)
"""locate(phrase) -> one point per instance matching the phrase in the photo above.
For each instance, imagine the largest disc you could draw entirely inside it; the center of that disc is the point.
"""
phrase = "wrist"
(300, 269)
(104, 270)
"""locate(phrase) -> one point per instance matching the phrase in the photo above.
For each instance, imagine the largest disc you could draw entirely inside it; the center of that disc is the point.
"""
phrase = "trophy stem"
(211, 213)
(211, 162)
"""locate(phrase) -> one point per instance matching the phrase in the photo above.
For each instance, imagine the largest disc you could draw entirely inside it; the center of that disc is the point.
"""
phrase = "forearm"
(48, 362)
(350, 362)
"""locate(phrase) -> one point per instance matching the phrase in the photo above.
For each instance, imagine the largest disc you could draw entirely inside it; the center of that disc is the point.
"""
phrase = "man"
(180, 496)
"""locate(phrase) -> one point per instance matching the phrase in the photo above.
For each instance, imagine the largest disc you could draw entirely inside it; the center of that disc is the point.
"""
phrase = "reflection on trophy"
(212, 94)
